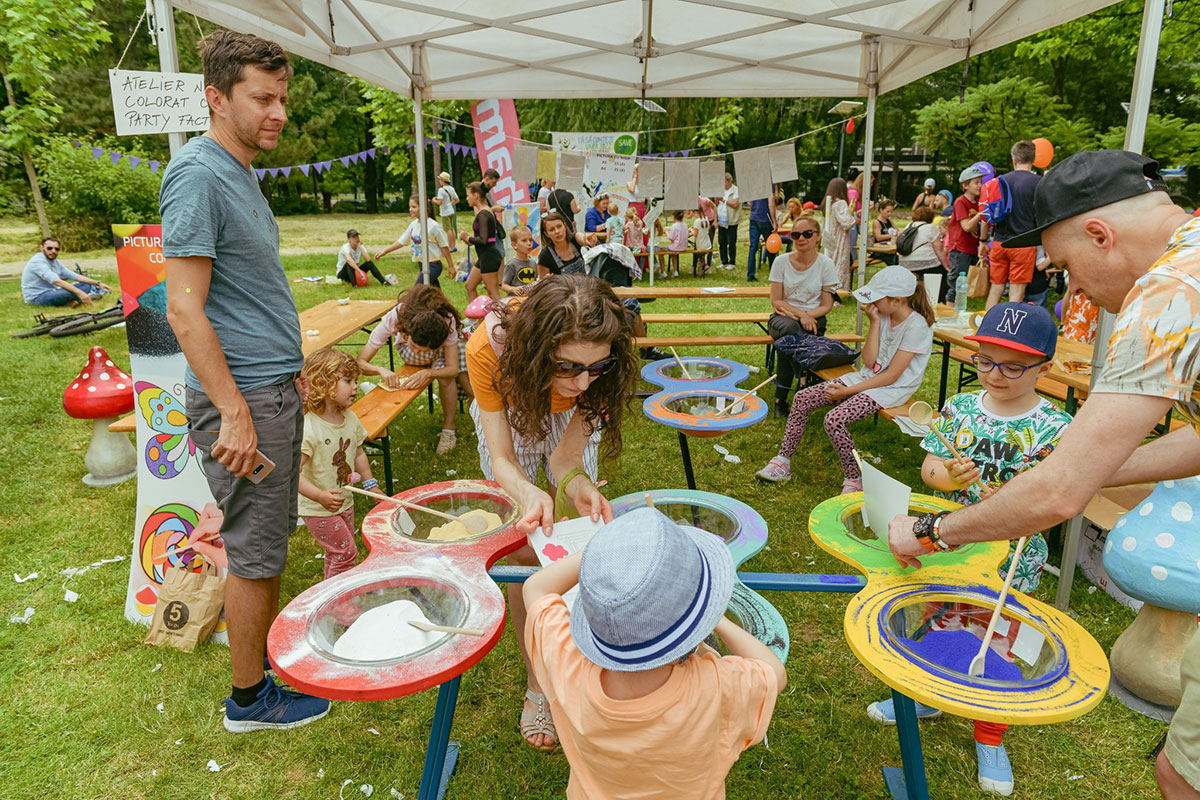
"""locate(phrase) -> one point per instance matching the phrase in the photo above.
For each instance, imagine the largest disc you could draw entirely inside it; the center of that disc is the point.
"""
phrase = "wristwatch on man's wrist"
(926, 531)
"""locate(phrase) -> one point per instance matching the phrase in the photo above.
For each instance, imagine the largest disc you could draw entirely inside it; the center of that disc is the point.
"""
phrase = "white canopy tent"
(465, 49)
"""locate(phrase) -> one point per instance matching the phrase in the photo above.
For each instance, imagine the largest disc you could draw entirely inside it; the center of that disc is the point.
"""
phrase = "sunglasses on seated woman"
(571, 369)
(807, 233)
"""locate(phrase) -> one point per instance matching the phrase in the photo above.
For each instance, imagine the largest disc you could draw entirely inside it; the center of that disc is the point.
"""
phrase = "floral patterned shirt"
(1155, 346)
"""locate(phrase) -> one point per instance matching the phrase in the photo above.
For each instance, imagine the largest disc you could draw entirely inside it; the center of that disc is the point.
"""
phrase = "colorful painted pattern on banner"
(171, 489)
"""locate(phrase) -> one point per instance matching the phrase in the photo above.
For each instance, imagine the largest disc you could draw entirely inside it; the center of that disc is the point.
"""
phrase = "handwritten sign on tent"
(157, 102)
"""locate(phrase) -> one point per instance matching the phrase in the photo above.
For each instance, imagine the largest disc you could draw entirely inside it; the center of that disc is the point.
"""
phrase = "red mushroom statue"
(102, 392)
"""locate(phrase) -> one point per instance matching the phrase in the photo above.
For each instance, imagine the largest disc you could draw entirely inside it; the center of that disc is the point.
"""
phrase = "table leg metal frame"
(907, 782)
(441, 756)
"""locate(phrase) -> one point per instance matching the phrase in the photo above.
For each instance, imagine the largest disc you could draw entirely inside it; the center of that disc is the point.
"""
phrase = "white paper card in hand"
(884, 498)
(567, 538)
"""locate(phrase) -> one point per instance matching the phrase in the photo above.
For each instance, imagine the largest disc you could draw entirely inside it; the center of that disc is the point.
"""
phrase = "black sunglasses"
(571, 369)
(808, 233)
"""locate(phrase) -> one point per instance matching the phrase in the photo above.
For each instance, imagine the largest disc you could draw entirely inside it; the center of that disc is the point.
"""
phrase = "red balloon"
(1043, 153)
(850, 125)
(774, 243)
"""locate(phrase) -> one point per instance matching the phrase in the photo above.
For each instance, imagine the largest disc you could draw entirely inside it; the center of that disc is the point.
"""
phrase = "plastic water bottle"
(960, 293)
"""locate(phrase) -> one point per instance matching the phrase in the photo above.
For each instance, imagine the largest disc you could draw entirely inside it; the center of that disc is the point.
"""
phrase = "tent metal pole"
(868, 165)
(1135, 139)
(168, 55)
(419, 150)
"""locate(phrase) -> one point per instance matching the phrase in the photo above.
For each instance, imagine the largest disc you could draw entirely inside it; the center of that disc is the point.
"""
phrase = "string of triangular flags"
(305, 169)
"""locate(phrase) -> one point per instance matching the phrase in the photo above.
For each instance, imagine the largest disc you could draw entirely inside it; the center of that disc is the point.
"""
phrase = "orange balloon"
(774, 243)
(1043, 153)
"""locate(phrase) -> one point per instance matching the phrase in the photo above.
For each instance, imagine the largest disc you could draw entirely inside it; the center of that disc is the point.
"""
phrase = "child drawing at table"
(1001, 430)
(642, 708)
(614, 226)
(894, 356)
(678, 240)
(635, 234)
(330, 453)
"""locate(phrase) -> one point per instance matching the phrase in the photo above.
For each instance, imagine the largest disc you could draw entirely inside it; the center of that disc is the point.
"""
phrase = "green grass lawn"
(81, 689)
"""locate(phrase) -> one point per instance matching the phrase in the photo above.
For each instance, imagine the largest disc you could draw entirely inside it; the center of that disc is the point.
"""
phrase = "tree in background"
(37, 39)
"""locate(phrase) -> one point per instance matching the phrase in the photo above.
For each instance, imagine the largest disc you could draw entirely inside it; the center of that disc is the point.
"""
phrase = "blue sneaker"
(274, 708)
(884, 712)
(267, 669)
(995, 771)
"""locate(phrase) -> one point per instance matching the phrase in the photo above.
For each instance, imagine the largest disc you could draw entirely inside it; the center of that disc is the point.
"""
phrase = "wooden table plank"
(725, 316)
(663, 292)
(377, 409)
(334, 321)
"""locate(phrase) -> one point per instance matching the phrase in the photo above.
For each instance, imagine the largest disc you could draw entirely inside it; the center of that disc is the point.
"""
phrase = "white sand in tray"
(383, 633)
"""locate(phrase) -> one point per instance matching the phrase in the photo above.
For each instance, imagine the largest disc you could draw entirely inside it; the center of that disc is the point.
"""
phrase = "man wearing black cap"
(1105, 216)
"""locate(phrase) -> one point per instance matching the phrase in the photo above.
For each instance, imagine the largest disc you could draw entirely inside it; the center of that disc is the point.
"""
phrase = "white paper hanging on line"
(683, 183)
(607, 169)
(524, 169)
(783, 162)
(712, 177)
(570, 171)
(752, 173)
(884, 498)
(650, 177)
(157, 102)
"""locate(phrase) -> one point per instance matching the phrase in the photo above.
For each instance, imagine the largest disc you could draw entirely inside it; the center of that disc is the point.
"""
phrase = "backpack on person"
(995, 200)
(906, 241)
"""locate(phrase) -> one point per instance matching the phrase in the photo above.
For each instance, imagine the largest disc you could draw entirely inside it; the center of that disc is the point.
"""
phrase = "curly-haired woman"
(553, 373)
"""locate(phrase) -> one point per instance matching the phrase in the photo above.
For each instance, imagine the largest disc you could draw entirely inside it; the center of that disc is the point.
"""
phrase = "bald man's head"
(1107, 249)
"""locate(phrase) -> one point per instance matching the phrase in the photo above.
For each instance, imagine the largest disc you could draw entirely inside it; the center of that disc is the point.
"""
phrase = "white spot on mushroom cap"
(1159, 571)
(1121, 522)
(91, 388)
(109, 362)
(84, 376)
(1164, 540)
(75, 385)
(1169, 484)
(1146, 509)
(1182, 511)
(1130, 544)
(104, 376)
(120, 386)
(1108, 545)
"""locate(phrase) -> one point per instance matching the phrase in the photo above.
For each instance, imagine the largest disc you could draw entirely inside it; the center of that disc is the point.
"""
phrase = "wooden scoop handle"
(385, 499)
(430, 627)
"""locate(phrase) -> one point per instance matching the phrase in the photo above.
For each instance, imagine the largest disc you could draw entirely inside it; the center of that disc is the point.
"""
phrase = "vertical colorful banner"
(171, 488)
(529, 215)
(496, 134)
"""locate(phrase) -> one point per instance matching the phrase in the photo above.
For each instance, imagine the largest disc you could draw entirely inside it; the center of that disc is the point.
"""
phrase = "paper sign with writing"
(157, 102)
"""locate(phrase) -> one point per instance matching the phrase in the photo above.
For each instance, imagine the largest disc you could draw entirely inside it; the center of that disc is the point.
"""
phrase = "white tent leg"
(1135, 138)
(868, 165)
(168, 56)
(419, 151)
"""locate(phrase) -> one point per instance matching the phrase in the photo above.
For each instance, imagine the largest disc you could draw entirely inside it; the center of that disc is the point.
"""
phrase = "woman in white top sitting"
(928, 254)
(439, 245)
(802, 286)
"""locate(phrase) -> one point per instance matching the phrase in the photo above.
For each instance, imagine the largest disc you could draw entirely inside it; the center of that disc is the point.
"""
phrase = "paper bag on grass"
(188, 609)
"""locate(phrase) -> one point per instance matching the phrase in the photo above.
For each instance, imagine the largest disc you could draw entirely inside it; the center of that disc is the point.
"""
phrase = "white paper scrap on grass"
(712, 177)
(783, 162)
(157, 102)
(650, 177)
(884, 498)
(753, 171)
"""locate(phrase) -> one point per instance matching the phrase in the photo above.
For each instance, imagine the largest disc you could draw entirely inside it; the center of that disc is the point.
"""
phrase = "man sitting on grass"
(46, 282)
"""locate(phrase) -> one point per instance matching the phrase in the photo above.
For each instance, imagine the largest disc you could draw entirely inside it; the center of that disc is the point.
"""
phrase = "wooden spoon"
(472, 524)
(429, 626)
(729, 408)
(921, 413)
(976, 668)
(682, 366)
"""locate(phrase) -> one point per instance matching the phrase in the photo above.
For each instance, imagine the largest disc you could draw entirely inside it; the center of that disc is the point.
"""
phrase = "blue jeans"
(960, 262)
(59, 296)
(759, 231)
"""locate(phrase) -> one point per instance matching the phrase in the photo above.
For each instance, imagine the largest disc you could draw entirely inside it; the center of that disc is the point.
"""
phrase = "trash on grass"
(28, 577)
(732, 459)
(372, 730)
(22, 618)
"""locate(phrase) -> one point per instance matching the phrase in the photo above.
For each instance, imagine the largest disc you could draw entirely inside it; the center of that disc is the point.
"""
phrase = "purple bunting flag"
(97, 152)
(262, 173)
(154, 165)
(371, 152)
(326, 165)
(134, 161)
(287, 171)
(305, 168)
(685, 153)
(345, 161)
(115, 157)
(76, 144)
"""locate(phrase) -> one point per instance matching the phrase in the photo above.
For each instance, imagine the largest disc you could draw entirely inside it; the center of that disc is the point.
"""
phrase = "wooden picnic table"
(1076, 383)
(333, 322)
(664, 292)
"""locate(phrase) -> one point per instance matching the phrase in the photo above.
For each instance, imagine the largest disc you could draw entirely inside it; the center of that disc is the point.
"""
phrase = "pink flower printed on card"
(554, 552)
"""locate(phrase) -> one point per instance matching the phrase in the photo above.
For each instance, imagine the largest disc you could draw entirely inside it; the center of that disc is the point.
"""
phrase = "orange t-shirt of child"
(678, 741)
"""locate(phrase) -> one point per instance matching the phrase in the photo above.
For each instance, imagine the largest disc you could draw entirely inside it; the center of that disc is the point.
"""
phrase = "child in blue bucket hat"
(640, 713)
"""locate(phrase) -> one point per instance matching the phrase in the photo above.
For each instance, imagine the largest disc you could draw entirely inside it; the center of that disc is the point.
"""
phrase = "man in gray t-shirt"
(230, 305)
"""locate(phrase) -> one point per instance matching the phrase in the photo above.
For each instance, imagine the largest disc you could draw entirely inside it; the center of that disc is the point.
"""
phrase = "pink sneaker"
(776, 471)
(851, 485)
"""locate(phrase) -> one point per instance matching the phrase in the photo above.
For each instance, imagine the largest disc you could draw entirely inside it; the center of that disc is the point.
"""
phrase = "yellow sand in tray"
(458, 530)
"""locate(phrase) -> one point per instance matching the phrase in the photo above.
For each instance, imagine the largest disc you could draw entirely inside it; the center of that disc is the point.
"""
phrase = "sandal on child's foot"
(537, 721)
(849, 485)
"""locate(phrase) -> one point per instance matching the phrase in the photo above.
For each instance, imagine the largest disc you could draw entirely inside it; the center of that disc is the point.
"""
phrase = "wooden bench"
(890, 414)
(377, 410)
